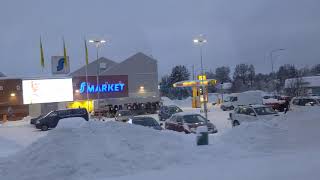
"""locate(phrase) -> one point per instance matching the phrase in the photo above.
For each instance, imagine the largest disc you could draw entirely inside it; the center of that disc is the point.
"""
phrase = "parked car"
(34, 120)
(276, 102)
(123, 115)
(166, 112)
(251, 113)
(188, 123)
(240, 99)
(52, 119)
(306, 101)
(146, 121)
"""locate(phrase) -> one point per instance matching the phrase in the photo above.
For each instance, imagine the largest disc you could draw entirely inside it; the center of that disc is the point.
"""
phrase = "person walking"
(286, 106)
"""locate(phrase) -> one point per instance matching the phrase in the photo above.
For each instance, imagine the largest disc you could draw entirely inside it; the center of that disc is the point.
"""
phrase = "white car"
(244, 98)
(251, 113)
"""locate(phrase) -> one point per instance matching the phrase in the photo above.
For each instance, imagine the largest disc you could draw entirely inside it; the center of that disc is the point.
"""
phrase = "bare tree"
(297, 86)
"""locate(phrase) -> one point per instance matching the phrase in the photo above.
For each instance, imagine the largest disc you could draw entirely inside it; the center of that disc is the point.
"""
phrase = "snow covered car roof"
(307, 97)
(185, 113)
(256, 106)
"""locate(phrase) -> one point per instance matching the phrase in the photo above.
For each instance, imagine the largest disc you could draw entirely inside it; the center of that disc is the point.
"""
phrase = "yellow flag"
(87, 54)
(65, 54)
(41, 54)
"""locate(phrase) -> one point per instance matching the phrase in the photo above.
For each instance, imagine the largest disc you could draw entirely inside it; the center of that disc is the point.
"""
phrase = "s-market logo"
(60, 64)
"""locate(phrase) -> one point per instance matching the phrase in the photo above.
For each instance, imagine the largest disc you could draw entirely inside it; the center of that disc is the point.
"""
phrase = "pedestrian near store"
(286, 106)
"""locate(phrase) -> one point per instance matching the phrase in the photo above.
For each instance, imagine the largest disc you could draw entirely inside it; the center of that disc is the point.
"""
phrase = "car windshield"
(51, 112)
(174, 109)
(194, 118)
(231, 99)
(150, 122)
(265, 111)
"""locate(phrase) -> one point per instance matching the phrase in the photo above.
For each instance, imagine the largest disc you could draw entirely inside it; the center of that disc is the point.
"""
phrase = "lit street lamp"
(271, 58)
(98, 44)
(200, 41)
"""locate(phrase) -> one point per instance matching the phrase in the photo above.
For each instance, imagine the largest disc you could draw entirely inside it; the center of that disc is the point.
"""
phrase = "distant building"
(2, 75)
(142, 78)
(131, 83)
(310, 83)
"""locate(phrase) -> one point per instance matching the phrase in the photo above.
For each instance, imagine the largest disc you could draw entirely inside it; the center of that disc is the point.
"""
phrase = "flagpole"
(87, 85)
(87, 62)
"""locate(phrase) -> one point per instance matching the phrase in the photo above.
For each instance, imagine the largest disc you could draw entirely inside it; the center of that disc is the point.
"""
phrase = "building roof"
(308, 81)
(139, 61)
(93, 66)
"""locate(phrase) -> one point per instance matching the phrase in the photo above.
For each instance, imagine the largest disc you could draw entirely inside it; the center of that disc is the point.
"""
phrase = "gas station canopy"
(197, 83)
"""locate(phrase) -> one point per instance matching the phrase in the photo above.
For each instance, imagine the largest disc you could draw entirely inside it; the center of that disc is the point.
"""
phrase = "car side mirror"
(252, 114)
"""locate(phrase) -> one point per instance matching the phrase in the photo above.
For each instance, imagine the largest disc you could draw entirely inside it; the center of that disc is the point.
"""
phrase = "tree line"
(243, 78)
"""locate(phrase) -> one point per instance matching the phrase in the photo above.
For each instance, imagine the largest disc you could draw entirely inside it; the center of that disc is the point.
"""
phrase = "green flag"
(87, 54)
(65, 54)
(41, 54)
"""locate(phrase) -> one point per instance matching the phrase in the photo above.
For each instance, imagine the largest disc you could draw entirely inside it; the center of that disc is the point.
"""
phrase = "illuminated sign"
(202, 77)
(102, 88)
(107, 86)
(47, 90)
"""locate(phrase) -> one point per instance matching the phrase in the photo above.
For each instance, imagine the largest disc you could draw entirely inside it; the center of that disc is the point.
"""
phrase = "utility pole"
(98, 44)
(201, 41)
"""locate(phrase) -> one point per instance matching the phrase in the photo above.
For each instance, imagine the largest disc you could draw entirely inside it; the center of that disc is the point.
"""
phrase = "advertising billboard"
(58, 66)
(114, 86)
(47, 90)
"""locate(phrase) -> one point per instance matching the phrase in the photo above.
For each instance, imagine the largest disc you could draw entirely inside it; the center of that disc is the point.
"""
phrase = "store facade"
(131, 83)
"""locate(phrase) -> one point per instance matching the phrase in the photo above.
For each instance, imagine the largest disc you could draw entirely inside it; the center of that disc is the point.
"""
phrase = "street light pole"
(98, 44)
(200, 40)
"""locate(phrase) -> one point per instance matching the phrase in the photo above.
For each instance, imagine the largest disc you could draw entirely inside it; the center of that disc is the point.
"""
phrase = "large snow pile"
(94, 150)
(181, 103)
(295, 130)
(71, 123)
(276, 149)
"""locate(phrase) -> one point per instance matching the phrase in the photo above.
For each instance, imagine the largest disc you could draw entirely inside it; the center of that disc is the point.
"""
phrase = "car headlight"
(37, 122)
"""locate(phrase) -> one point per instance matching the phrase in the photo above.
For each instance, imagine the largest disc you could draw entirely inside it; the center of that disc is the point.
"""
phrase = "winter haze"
(237, 32)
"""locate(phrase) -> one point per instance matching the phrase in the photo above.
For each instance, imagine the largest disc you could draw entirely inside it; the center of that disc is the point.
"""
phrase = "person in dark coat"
(286, 106)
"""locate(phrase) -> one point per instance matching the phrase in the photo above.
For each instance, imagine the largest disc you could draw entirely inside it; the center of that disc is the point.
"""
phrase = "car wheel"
(44, 128)
(235, 123)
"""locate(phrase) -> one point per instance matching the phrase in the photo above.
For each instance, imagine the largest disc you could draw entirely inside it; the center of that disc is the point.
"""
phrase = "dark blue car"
(52, 119)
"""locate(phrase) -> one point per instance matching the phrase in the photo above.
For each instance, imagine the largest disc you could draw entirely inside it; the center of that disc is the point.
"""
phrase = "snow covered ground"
(286, 147)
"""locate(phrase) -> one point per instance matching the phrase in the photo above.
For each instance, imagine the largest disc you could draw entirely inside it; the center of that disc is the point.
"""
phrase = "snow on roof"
(310, 81)
(258, 105)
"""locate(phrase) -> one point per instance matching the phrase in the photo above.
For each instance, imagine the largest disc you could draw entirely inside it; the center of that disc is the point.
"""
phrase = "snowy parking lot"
(286, 147)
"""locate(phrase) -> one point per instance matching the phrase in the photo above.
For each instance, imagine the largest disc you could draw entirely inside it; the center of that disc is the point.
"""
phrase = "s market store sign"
(115, 86)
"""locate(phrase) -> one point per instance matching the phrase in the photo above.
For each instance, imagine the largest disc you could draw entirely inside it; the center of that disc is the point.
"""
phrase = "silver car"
(123, 115)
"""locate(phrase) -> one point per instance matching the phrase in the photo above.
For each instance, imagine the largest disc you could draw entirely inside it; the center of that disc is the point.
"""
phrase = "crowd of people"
(135, 108)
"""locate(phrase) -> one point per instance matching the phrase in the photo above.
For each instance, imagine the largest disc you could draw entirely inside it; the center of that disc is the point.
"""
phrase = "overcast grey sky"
(238, 31)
